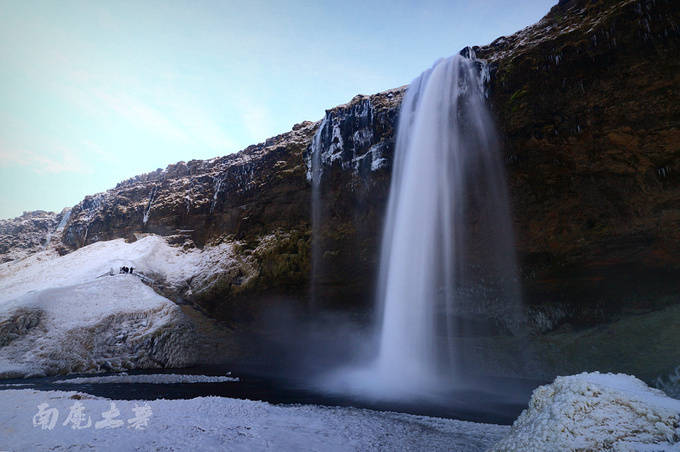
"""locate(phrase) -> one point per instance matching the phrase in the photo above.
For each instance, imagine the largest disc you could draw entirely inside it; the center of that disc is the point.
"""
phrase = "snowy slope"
(61, 314)
(593, 411)
(151, 256)
(215, 423)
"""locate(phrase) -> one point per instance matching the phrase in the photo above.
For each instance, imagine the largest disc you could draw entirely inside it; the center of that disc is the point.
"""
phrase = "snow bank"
(112, 323)
(151, 256)
(216, 424)
(151, 379)
(62, 314)
(593, 411)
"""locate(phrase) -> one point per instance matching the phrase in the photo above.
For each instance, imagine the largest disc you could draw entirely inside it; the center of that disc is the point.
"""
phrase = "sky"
(92, 93)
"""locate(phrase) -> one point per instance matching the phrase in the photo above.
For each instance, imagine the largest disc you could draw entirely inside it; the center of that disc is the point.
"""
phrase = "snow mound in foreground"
(64, 314)
(593, 411)
(113, 323)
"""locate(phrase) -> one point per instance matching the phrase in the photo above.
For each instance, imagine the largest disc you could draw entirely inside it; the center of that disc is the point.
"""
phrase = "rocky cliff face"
(587, 101)
(589, 106)
(24, 235)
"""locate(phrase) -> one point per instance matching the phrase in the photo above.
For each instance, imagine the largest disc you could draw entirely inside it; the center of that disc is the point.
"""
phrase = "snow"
(65, 215)
(216, 423)
(150, 379)
(112, 323)
(593, 411)
(151, 256)
(75, 313)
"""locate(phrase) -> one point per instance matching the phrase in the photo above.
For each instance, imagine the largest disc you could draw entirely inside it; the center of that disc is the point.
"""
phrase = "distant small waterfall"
(448, 263)
(314, 177)
(218, 181)
(152, 198)
(65, 215)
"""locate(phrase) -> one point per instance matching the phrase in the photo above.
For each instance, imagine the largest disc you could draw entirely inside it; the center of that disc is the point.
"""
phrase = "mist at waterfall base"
(448, 271)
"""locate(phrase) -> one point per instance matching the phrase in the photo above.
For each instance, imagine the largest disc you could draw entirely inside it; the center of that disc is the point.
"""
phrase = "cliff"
(588, 104)
(24, 235)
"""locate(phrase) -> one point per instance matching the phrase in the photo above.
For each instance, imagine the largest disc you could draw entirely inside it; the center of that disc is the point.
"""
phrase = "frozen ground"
(593, 411)
(152, 379)
(76, 313)
(112, 323)
(215, 423)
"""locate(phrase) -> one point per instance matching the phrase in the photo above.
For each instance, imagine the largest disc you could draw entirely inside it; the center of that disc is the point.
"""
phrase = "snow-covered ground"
(589, 411)
(76, 313)
(216, 423)
(593, 411)
(151, 379)
(151, 256)
(112, 323)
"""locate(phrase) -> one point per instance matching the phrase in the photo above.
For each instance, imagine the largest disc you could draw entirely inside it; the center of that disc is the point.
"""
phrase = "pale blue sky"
(92, 92)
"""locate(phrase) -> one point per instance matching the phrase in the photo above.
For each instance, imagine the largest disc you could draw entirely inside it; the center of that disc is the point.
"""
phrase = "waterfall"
(218, 181)
(64, 219)
(447, 267)
(65, 215)
(314, 176)
(152, 198)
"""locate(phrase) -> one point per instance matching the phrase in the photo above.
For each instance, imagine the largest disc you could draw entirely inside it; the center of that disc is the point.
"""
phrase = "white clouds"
(256, 120)
(199, 124)
(140, 114)
(62, 161)
(171, 116)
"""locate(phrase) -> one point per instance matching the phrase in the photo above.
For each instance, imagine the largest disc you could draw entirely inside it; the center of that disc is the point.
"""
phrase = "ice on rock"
(218, 181)
(152, 198)
(66, 214)
(346, 137)
(593, 411)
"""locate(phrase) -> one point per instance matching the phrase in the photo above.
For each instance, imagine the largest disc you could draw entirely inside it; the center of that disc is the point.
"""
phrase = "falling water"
(447, 267)
(218, 181)
(66, 214)
(152, 198)
(315, 178)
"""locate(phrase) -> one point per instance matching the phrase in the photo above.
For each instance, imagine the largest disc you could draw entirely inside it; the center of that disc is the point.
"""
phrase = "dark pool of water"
(501, 406)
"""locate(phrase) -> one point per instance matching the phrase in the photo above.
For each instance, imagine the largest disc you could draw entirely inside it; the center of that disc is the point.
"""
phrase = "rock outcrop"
(24, 235)
(588, 105)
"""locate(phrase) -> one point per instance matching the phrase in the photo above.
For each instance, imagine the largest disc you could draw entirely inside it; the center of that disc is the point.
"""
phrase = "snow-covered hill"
(78, 313)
